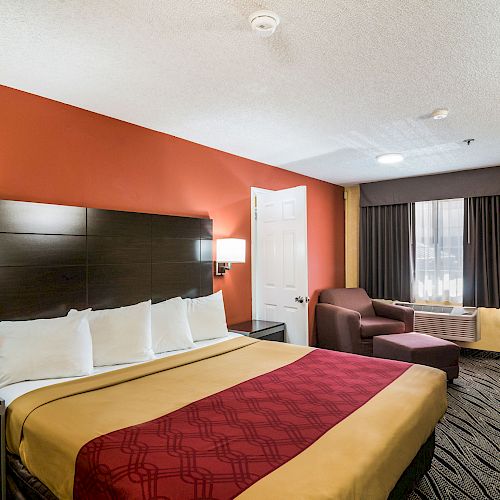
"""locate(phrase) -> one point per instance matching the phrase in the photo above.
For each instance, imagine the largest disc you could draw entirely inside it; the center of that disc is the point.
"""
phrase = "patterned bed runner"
(217, 447)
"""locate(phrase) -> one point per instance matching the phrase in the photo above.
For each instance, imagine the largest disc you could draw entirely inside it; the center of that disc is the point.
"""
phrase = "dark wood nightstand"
(262, 330)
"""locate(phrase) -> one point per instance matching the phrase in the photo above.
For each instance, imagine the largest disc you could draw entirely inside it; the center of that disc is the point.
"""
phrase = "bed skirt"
(21, 485)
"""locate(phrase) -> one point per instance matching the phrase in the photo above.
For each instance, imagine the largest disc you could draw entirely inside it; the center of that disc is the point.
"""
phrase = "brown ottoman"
(419, 348)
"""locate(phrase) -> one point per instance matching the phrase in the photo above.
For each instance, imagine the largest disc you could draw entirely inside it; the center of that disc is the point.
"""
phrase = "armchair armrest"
(399, 313)
(338, 328)
(3, 458)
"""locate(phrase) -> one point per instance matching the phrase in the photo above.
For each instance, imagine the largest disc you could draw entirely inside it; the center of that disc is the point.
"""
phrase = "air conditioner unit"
(445, 322)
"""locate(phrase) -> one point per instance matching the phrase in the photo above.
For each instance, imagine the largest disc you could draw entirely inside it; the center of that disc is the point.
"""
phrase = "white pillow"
(170, 327)
(121, 335)
(44, 348)
(206, 317)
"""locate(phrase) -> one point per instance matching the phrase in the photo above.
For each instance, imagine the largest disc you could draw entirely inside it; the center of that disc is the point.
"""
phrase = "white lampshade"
(231, 250)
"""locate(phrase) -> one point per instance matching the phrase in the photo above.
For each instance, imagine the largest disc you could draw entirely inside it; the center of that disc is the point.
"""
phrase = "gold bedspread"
(363, 456)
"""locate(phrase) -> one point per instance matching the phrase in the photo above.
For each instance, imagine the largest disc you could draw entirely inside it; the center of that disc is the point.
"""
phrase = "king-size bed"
(230, 418)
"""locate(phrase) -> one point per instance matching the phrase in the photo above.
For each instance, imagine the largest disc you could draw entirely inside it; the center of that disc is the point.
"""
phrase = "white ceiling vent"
(264, 22)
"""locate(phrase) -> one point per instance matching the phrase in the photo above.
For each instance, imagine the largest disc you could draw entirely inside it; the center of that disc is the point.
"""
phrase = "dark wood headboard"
(54, 258)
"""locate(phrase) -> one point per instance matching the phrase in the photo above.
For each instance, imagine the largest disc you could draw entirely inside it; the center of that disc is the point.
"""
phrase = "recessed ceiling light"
(439, 114)
(390, 158)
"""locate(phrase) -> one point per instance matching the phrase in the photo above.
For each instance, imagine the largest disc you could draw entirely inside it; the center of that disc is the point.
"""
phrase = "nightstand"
(262, 330)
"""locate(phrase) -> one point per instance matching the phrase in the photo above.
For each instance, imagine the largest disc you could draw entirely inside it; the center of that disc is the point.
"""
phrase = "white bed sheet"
(13, 391)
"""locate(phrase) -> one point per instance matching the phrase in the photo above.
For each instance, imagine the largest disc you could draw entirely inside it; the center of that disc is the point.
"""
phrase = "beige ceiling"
(340, 82)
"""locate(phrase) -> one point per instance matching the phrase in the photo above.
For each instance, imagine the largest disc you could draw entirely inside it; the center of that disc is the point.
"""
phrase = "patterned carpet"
(466, 461)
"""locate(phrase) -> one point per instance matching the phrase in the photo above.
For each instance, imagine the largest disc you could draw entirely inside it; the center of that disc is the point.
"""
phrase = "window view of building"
(439, 227)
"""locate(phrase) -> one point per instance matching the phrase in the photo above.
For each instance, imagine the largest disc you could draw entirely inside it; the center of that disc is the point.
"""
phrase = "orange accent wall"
(54, 153)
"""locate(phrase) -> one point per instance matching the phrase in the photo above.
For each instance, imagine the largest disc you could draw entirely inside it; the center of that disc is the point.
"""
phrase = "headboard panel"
(54, 258)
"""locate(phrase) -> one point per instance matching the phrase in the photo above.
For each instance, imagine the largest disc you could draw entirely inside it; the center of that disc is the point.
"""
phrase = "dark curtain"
(482, 251)
(386, 270)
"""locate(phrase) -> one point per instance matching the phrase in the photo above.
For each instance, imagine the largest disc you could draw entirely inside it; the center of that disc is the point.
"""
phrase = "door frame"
(254, 191)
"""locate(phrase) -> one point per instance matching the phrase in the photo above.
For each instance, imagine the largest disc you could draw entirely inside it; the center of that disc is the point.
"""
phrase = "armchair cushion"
(355, 299)
(377, 325)
(399, 313)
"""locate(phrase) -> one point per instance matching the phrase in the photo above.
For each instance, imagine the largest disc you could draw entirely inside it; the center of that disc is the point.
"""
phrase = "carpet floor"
(466, 462)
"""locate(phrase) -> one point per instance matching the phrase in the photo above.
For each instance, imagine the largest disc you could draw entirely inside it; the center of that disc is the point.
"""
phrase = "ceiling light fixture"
(390, 158)
(264, 22)
(439, 114)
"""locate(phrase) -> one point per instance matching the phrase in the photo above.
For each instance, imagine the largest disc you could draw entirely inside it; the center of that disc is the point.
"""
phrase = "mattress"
(239, 419)
(13, 391)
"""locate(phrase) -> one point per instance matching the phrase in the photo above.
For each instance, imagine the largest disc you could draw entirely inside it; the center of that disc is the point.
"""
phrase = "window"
(439, 251)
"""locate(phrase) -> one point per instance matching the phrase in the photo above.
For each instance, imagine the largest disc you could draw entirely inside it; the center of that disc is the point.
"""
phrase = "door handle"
(301, 299)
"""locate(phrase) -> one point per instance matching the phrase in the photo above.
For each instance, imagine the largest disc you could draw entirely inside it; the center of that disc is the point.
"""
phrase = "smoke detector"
(439, 114)
(264, 22)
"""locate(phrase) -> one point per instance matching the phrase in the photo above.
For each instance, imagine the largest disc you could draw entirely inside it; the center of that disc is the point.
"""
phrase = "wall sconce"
(229, 251)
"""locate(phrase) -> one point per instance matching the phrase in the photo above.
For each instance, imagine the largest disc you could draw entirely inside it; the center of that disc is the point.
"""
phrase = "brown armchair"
(347, 320)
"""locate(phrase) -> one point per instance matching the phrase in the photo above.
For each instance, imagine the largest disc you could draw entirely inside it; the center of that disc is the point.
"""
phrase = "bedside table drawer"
(269, 333)
(273, 337)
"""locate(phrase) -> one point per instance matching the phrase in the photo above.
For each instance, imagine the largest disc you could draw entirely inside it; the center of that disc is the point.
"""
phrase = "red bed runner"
(217, 447)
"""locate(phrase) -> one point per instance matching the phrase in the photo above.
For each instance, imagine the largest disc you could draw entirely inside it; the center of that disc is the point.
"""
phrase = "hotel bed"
(240, 418)
(231, 418)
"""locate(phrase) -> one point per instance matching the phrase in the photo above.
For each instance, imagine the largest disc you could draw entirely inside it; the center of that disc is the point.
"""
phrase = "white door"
(279, 260)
